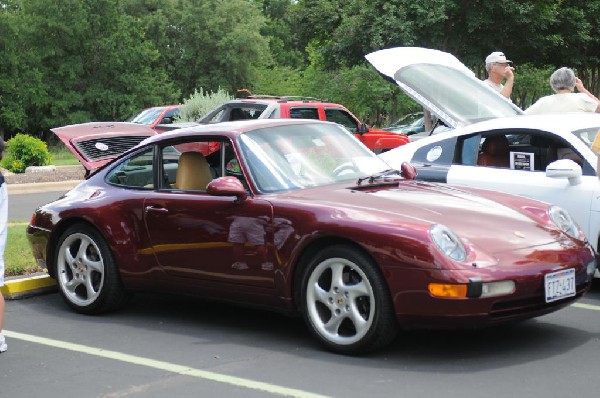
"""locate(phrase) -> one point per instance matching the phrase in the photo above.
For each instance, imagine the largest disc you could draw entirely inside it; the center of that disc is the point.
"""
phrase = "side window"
(469, 150)
(523, 150)
(342, 117)
(217, 117)
(135, 172)
(169, 117)
(304, 113)
(551, 149)
(185, 166)
(191, 166)
(245, 112)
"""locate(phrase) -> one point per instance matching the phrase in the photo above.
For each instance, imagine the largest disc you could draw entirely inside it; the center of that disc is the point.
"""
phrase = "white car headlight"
(563, 221)
(448, 242)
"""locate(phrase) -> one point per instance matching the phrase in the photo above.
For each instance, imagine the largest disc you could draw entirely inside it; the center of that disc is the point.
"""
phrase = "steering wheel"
(344, 169)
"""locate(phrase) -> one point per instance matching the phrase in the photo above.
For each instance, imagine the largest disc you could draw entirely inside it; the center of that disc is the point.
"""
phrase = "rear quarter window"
(304, 113)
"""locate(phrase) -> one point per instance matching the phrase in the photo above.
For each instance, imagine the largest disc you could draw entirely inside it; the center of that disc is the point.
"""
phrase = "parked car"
(157, 115)
(298, 216)
(408, 124)
(493, 145)
(272, 107)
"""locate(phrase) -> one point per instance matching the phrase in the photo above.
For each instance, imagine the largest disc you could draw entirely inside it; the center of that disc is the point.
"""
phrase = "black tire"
(86, 273)
(345, 301)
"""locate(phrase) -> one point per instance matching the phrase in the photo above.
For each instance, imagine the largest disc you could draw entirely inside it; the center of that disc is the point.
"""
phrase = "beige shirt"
(563, 103)
(496, 86)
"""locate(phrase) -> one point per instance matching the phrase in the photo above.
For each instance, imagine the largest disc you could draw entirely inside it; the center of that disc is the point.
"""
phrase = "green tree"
(87, 61)
(21, 88)
(279, 32)
(219, 45)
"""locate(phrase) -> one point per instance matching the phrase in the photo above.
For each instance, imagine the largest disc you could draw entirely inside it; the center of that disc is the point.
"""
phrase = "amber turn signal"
(448, 290)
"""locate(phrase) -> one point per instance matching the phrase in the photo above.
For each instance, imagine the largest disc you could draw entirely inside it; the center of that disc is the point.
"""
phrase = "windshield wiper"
(378, 176)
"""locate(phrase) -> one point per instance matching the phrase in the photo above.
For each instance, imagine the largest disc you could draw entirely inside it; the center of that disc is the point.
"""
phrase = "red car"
(157, 115)
(272, 107)
(298, 216)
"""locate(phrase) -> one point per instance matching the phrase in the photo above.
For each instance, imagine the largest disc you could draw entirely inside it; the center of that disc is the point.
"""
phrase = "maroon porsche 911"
(298, 216)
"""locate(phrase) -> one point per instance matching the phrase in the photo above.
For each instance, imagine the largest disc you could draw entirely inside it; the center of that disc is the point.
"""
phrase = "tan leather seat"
(193, 172)
(495, 152)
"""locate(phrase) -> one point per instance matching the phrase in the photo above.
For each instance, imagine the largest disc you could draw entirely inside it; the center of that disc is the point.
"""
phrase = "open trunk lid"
(442, 84)
(97, 143)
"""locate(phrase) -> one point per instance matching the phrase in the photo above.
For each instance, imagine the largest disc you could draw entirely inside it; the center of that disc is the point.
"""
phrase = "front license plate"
(559, 285)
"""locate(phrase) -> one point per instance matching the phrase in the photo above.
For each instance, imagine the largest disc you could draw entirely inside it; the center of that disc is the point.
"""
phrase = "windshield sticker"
(434, 153)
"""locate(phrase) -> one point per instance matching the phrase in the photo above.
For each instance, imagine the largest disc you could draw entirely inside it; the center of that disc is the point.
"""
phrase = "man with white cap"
(498, 69)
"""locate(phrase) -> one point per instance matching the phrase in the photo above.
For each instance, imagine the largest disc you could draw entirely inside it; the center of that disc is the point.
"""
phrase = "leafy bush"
(201, 102)
(23, 151)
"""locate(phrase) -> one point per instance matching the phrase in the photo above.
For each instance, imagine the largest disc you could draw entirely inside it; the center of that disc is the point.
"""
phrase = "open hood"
(97, 143)
(442, 84)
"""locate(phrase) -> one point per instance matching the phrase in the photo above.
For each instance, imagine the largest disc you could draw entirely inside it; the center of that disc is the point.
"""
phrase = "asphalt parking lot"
(161, 345)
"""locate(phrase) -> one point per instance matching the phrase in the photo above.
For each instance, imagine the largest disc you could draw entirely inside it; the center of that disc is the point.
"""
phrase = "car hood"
(491, 221)
(97, 143)
(442, 84)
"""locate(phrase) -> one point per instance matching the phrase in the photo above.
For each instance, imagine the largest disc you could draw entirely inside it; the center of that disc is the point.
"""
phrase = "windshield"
(587, 135)
(306, 155)
(453, 94)
(147, 116)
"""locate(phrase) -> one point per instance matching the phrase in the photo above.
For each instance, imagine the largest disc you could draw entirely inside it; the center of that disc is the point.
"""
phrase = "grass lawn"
(61, 156)
(18, 258)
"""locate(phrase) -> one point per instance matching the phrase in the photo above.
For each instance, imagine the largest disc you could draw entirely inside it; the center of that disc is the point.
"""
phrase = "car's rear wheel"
(346, 302)
(86, 273)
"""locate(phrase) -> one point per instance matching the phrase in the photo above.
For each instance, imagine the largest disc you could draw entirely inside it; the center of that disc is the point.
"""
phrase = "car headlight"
(448, 242)
(563, 221)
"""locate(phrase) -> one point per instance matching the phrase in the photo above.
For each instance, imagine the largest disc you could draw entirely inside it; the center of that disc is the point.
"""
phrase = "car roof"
(163, 107)
(294, 101)
(231, 129)
(560, 124)
(556, 123)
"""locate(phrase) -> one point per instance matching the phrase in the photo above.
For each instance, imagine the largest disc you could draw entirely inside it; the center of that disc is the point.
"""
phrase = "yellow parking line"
(587, 306)
(166, 366)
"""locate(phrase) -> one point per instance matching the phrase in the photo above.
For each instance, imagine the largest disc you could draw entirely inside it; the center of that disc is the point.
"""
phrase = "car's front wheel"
(86, 273)
(346, 302)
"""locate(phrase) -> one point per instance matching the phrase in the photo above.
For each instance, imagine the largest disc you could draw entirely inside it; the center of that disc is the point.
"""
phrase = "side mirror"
(565, 168)
(409, 171)
(166, 120)
(227, 186)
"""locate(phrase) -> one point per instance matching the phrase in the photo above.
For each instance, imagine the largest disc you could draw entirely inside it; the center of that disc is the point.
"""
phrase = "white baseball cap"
(496, 57)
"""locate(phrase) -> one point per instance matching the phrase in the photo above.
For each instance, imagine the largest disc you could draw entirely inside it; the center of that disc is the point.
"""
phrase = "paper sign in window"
(521, 161)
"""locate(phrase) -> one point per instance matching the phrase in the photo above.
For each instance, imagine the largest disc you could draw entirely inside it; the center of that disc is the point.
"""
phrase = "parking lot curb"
(26, 286)
(17, 189)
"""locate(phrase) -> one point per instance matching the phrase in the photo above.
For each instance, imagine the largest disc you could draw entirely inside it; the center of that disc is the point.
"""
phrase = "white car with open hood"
(492, 144)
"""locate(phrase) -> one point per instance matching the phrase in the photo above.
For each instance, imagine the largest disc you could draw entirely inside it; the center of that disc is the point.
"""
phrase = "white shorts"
(3, 227)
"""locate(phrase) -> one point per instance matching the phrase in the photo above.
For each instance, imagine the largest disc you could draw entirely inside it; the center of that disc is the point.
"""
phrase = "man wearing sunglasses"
(499, 71)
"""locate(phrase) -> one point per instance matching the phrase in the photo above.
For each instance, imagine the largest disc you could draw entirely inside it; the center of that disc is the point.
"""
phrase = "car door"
(524, 172)
(199, 236)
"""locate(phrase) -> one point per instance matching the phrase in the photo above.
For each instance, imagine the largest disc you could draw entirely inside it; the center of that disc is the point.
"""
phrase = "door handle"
(154, 209)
